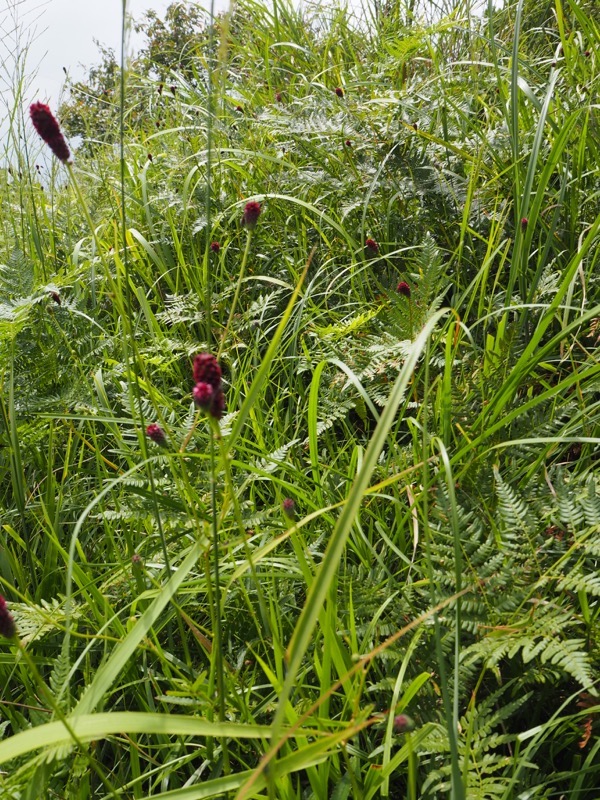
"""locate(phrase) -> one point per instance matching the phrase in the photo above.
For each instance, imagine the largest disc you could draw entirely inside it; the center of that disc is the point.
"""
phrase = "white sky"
(61, 34)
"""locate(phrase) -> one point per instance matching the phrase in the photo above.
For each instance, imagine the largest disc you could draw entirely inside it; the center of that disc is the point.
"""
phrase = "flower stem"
(237, 292)
(217, 650)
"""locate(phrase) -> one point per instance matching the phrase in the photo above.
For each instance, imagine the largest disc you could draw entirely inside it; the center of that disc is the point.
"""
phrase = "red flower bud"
(203, 395)
(48, 128)
(404, 289)
(207, 370)
(371, 247)
(215, 247)
(8, 627)
(288, 506)
(339, 91)
(251, 214)
(156, 433)
(403, 723)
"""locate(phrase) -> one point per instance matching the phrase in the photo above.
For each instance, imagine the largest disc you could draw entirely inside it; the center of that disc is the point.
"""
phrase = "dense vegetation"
(377, 574)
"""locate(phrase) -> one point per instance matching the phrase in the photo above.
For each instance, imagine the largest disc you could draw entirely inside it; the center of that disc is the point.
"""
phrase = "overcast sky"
(61, 34)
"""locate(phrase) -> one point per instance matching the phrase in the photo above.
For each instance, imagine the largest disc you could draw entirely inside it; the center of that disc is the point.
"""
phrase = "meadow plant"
(376, 574)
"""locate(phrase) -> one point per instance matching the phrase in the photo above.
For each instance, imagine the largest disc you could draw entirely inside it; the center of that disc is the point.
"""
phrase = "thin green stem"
(237, 292)
(217, 650)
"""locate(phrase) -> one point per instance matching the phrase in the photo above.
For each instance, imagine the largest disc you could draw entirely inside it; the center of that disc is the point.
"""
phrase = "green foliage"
(440, 446)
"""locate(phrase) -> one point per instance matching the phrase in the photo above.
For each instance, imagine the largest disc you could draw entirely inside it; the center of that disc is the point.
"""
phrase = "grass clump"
(300, 416)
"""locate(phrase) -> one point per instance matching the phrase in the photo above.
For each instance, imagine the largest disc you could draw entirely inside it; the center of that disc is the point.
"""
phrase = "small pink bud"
(217, 407)
(156, 433)
(203, 395)
(288, 506)
(8, 628)
(371, 247)
(403, 724)
(252, 211)
(524, 223)
(404, 289)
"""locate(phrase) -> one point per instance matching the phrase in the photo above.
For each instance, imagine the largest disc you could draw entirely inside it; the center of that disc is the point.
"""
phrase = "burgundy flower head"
(403, 723)
(217, 407)
(278, 97)
(404, 289)
(48, 128)
(215, 247)
(208, 392)
(251, 214)
(7, 623)
(524, 223)
(203, 395)
(156, 433)
(207, 370)
(288, 506)
(339, 91)
(210, 400)
(371, 247)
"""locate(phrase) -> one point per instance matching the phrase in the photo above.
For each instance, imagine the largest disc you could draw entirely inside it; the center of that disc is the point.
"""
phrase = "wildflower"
(156, 433)
(404, 289)
(339, 91)
(203, 395)
(215, 247)
(210, 400)
(137, 560)
(288, 507)
(173, 90)
(217, 407)
(160, 88)
(251, 214)
(239, 109)
(348, 143)
(403, 723)
(56, 297)
(8, 628)
(524, 223)
(48, 128)
(149, 156)
(371, 247)
(278, 97)
(207, 370)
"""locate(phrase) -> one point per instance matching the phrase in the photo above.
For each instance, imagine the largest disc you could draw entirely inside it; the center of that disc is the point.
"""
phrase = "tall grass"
(419, 618)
